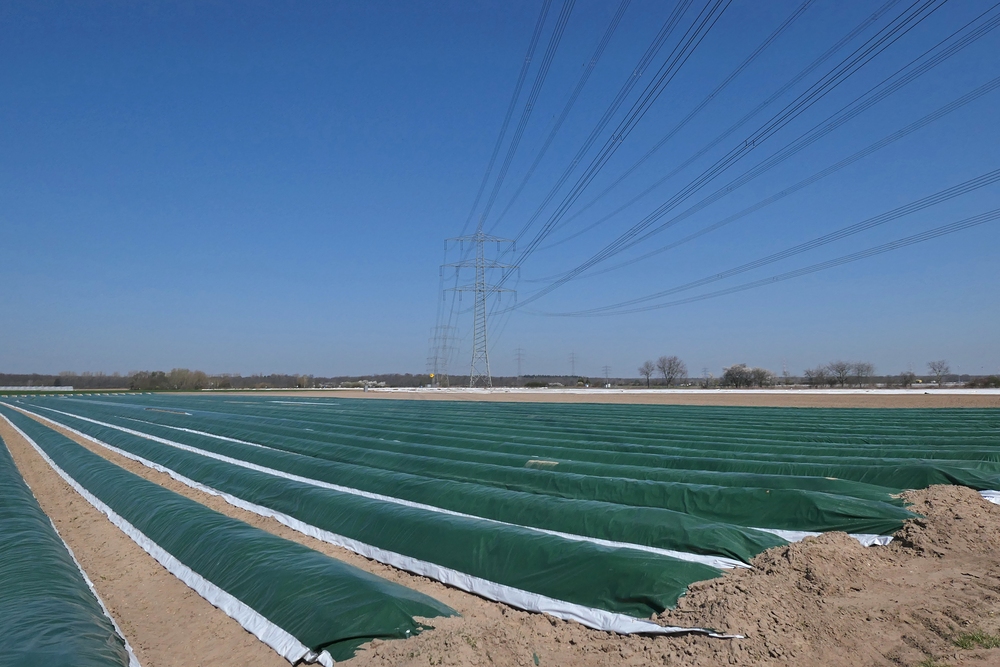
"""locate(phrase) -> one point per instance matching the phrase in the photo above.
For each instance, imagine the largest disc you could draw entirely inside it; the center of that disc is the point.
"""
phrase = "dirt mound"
(822, 566)
(830, 601)
(957, 521)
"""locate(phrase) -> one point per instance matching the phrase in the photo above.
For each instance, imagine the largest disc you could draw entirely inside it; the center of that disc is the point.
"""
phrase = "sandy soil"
(779, 399)
(825, 601)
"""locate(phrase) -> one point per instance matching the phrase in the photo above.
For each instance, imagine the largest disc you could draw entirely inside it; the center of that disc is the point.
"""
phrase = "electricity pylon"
(483, 289)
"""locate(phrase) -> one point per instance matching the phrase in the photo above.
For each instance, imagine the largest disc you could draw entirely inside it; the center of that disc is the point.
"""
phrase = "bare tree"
(907, 378)
(816, 377)
(863, 371)
(671, 368)
(939, 369)
(840, 370)
(646, 370)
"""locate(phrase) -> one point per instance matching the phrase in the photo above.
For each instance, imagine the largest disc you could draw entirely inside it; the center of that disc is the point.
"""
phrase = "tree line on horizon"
(836, 373)
(668, 370)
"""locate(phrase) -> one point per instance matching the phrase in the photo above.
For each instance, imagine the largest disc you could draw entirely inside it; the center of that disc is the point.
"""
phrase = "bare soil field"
(825, 601)
(790, 398)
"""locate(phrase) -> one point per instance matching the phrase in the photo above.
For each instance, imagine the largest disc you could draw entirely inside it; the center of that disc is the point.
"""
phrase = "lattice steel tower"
(482, 266)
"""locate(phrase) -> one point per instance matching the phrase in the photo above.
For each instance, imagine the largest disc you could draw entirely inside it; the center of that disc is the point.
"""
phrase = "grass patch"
(978, 639)
(931, 662)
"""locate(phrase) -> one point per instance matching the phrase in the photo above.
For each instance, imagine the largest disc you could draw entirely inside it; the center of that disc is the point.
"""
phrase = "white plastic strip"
(720, 562)
(866, 539)
(597, 619)
(992, 496)
(132, 660)
(278, 639)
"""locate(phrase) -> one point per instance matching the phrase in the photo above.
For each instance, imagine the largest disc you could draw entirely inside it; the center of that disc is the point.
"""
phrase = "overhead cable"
(939, 197)
(695, 33)
(529, 105)
(933, 57)
(971, 96)
(691, 114)
(928, 235)
(543, 13)
(841, 43)
(581, 82)
(898, 27)
(654, 47)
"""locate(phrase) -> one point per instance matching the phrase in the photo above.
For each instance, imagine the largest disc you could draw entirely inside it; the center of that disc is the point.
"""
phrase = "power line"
(694, 112)
(543, 13)
(947, 194)
(860, 104)
(928, 235)
(848, 66)
(654, 47)
(680, 54)
(529, 105)
(868, 150)
(581, 82)
(829, 53)
(861, 56)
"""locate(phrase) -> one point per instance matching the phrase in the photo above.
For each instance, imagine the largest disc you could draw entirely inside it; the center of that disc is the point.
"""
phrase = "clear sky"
(266, 187)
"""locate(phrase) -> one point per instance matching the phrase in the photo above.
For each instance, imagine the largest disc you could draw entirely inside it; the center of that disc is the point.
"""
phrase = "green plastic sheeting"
(618, 580)
(703, 480)
(750, 506)
(647, 526)
(323, 603)
(48, 614)
(863, 445)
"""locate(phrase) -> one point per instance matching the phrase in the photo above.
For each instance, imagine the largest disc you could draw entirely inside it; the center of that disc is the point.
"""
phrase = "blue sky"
(265, 187)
